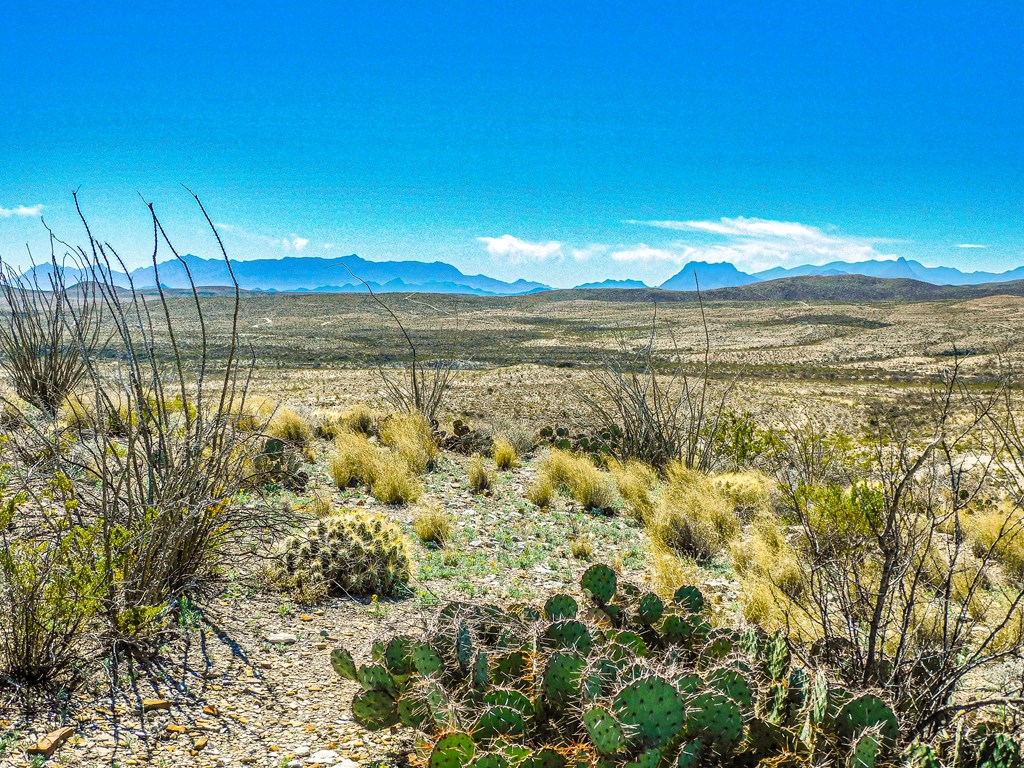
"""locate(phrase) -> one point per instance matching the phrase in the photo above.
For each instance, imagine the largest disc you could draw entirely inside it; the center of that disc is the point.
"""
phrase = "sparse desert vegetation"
(806, 550)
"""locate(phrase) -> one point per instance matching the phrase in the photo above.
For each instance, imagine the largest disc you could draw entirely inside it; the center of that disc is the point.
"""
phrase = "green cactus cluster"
(279, 463)
(621, 679)
(598, 445)
(349, 552)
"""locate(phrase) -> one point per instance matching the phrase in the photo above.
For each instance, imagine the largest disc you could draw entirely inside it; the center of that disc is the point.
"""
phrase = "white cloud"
(971, 245)
(298, 243)
(21, 210)
(754, 244)
(517, 251)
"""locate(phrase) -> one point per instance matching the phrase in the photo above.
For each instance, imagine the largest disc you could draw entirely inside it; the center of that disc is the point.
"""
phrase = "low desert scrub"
(664, 409)
(634, 479)
(769, 571)
(411, 437)
(505, 455)
(588, 486)
(432, 524)
(50, 334)
(692, 518)
(749, 491)
(479, 476)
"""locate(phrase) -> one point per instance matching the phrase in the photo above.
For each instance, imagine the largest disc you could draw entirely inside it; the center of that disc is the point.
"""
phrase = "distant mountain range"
(725, 275)
(314, 274)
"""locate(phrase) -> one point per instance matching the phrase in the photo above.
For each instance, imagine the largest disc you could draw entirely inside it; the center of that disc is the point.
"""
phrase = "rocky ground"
(245, 677)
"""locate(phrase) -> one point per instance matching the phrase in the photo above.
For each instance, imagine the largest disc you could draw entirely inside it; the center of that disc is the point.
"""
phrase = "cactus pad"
(604, 730)
(562, 678)
(374, 710)
(865, 751)
(454, 750)
(650, 609)
(509, 668)
(689, 598)
(560, 606)
(570, 634)
(373, 677)
(689, 755)
(481, 670)
(398, 655)
(715, 718)
(734, 685)
(867, 711)
(600, 582)
(427, 661)
(499, 722)
(509, 697)
(650, 710)
(343, 664)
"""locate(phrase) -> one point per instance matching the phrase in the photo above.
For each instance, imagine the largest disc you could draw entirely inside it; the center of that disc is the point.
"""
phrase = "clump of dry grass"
(354, 461)
(541, 491)
(770, 573)
(394, 483)
(693, 519)
(634, 479)
(748, 491)
(505, 455)
(289, 425)
(410, 436)
(357, 461)
(669, 571)
(589, 486)
(359, 419)
(998, 530)
(433, 525)
(480, 479)
(581, 546)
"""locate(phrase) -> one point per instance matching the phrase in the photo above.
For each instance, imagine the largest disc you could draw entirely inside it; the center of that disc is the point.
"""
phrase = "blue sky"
(551, 140)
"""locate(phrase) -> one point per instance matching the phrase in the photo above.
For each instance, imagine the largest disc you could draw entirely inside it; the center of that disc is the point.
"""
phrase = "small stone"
(301, 751)
(281, 638)
(324, 757)
(47, 745)
(305, 617)
(201, 743)
(155, 705)
(210, 709)
(174, 728)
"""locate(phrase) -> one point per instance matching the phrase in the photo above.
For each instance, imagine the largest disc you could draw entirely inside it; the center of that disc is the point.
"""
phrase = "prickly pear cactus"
(629, 681)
